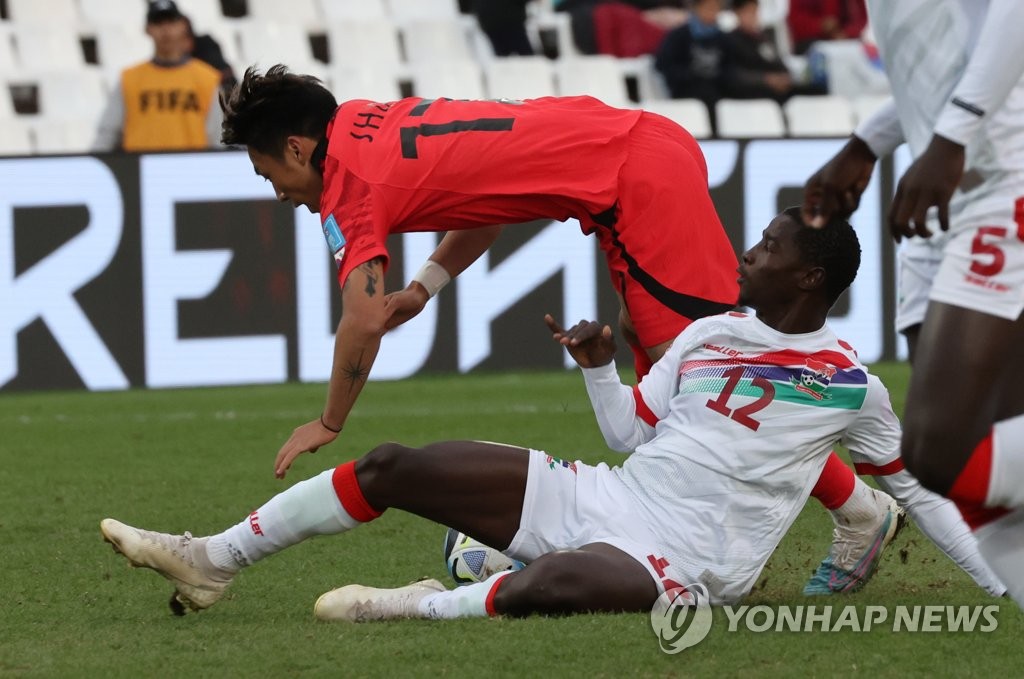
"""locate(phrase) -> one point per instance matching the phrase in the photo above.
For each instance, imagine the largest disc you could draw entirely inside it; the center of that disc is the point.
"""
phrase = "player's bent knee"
(551, 585)
(933, 456)
(382, 466)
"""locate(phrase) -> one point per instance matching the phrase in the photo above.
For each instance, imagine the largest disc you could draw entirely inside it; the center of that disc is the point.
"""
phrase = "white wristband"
(432, 276)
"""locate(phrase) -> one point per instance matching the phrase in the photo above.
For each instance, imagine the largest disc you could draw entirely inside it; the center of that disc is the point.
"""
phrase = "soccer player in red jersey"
(635, 180)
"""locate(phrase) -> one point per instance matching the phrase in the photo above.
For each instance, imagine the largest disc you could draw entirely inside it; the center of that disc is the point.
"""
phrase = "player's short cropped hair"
(834, 247)
(263, 110)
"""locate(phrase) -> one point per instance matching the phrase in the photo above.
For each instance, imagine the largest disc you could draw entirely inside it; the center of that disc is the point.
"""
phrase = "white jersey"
(956, 69)
(743, 419)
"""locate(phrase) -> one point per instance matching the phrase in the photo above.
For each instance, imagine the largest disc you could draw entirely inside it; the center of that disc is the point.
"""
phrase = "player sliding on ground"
(729, 431)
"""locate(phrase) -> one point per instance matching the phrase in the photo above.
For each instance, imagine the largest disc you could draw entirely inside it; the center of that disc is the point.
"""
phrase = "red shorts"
(667, 252)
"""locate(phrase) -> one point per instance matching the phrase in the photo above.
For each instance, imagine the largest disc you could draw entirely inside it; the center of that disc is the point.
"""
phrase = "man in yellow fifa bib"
(167, 103)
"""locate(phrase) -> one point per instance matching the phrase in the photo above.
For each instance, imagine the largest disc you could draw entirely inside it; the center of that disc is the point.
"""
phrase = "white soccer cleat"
(857, 549)
(356, 603)
(181, 559)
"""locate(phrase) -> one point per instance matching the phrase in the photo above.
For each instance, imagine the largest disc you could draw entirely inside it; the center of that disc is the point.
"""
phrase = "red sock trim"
(489, 601)
(836, 483)
(971, 485)
(346, 485)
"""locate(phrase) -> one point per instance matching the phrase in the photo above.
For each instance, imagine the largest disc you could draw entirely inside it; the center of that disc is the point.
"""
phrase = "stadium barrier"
(177, 270)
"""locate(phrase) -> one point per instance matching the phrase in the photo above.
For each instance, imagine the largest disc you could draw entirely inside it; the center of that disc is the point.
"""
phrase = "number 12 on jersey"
(743, 413)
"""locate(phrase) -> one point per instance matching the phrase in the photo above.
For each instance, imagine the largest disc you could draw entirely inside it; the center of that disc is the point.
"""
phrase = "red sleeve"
(354, 230)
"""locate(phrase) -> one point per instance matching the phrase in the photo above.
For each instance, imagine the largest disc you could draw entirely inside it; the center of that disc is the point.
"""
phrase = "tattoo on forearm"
(371, 278)
(356, 372)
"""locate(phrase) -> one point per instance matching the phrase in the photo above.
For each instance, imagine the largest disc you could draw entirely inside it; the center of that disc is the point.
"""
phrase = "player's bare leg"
(912, 334)
(963, 430)
(595, 578)
(475, 487)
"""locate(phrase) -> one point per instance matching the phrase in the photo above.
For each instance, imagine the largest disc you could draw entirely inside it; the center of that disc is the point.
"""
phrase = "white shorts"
(571, 504)
(978, 265)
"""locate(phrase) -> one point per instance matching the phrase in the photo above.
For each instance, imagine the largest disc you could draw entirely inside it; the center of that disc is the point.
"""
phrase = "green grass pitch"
(200, 460)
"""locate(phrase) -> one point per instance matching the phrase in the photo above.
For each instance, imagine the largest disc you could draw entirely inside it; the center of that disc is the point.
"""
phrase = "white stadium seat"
(266, 44)
(818, 116)
(352, 10)
(404, 11)
(520, 78)
(118, 46)
(8, 59)
(6, 103)
(45, 47)
(15, 138)
(63, 136)
(455, 80)
(50, 12)
(305, 12)
(72, 95)
(747, 118)
(866, 106)
(599, 76)
(202, 13)
(689, 113)
(364, 83)
(128, 15)
(435, 40)
(355, 44)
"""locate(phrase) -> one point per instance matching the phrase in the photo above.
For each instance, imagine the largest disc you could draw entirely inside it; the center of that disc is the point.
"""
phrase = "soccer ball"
(470, 561)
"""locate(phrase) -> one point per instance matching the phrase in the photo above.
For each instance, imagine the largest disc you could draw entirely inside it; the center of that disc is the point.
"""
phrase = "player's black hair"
(834, 247)
(265, 109)
(738, 4)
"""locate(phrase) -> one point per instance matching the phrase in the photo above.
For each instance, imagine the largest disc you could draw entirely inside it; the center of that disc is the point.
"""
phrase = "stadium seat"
(63, 136)
(49, 12)
(266, 44)
(405, 11)
(690, 113)
(375, 43)
(865, 106)
(6, 103)
(8, 59)
(304, 12)
(520, 78)
(364, 83)
(818, 116)
(128, 15)
(455, 80)
(72, 95)
(202, 13)
(352, 10)
(747, 118)
(46, 47)
(119, 46)
(435, 40)
(598, 76)
(15, 138)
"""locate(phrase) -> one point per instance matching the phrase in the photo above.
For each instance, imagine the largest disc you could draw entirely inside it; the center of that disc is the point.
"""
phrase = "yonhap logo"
(681, 617)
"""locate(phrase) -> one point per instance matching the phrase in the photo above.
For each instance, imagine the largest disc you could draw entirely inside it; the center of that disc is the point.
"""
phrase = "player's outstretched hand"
(929, 181)
(837, 187)
(307, 438)
(404, 304)
(589, 343)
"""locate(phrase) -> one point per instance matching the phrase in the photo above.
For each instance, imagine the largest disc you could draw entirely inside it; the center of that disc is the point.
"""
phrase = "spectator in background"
(690, 58)
(169, 102)
(813, 20)
(205, 48)
(504, 24)
(622, 28)
(753, 68)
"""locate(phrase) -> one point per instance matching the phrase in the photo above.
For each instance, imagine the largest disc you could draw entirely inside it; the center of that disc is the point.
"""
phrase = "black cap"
(162, 10)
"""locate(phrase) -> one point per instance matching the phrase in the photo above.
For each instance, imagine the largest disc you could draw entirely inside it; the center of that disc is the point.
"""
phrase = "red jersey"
(438, 165)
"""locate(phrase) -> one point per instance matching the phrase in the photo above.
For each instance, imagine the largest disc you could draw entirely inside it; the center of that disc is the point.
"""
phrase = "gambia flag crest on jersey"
(814, 379)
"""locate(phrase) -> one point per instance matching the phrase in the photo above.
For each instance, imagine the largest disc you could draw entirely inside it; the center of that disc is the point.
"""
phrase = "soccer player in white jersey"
(729, 431)
(957, 73)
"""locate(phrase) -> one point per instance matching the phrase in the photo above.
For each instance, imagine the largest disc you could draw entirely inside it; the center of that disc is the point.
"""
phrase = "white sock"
(1001, 544)
(1006, 480)
(468, 601)
(860, 507)
(306, 509)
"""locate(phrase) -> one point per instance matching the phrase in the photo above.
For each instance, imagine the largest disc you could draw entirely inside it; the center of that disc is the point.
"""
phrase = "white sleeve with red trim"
(874, 437)
(940, 520)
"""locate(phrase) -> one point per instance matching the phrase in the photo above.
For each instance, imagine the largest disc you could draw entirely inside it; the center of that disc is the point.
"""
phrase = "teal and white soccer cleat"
(356, 603)
(181, 559)
(856, 551)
